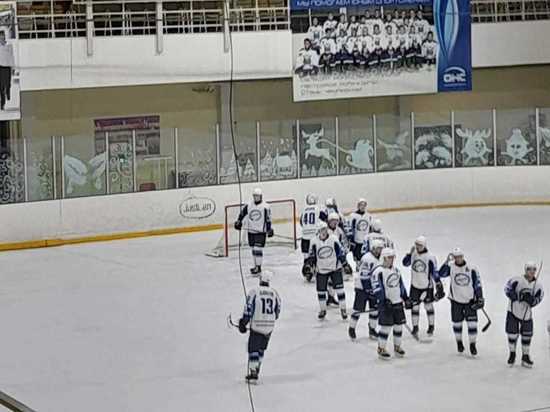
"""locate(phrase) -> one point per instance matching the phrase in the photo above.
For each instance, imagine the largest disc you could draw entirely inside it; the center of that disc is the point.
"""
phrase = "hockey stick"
(534, 288)
(230, 323)
(416, 337)
(486, 326)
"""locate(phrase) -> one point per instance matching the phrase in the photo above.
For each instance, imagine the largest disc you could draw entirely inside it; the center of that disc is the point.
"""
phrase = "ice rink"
(140, 325)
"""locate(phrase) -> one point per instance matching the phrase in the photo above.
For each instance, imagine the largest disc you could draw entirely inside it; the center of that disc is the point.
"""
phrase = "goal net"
(283, 216)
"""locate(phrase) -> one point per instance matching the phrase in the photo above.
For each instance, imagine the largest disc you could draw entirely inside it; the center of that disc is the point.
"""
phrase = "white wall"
(157, 210)
(120, 61)
(132, 60)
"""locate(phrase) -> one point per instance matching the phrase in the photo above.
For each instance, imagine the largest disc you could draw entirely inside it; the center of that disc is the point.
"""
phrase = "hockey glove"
(270, 233)
(477, 303)
(408, 304)
(238, 225)
(307, 270)
(513, 296)
(439, 291)
(242, 325)
(347, 269)
(527, 297)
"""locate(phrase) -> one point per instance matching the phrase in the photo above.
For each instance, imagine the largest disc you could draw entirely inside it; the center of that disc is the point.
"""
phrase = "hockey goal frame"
(227, 225)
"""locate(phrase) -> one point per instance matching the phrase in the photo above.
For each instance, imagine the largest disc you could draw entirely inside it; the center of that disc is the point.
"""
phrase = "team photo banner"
(364, 48)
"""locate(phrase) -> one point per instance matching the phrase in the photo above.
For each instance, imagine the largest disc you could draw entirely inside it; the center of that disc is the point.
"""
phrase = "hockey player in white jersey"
(422, 25)
(327, 256)
(524, 292)
(307, 61)
(391, 296)
(429, 50)
(358, 227)
(330, 23)
(364, 292)
(376, 233)
(334, 222)
(309, 221)
(466, 296)
(315, 33)
(258, 225)
(262, 309)
(423, 278)
(332, 207)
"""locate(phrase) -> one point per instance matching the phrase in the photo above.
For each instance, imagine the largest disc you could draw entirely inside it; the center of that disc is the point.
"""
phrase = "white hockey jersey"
(307, 59)
(385, 239)
(518, 285)
(328, 45)
(359, 226)
(380, 42)
(388, 284)
(465, 282)
(423, 268)
(342, 29)
(329, 24)
(422, 27)
(363, 277)
(341, 236)
(309, 221)
(263, 306)
(429, 49)
(256, 218)
(315, 34)
(327, 254)
(353, 29)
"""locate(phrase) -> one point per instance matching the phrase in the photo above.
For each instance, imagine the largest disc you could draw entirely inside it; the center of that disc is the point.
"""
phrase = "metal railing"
(118, 19)
(493, 11)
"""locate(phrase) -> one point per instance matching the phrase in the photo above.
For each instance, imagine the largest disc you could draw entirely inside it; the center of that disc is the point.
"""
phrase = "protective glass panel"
(393, 142)
(84, 166)
(278, 158)
(544, 136)
(121, 162)
(433, 144)
(12, 175)
(355, 145)
(516, 137)
(155, 160)
(245, 146)
(317, 147)
(474, 138)
(40, 168)
(197, 156)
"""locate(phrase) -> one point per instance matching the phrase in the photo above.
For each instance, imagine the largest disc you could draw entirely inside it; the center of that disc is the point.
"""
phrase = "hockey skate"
(526, 361)
(252, 376)
(399, 352)
(430, 331)
(459, 346)
(383, 353)
(351, 333)
(256, 270)
(512, 359)
(414, 331)
(322, 314)
(473, 349)
(373, 334)
(344, 314)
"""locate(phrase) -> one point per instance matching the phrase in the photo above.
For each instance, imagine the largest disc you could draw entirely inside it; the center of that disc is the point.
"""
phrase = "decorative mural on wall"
(433, 147)
(394, 153)
(12, 178)
(473, 147)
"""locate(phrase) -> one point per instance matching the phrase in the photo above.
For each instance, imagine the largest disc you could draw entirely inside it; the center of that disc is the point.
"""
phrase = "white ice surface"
(140, 325)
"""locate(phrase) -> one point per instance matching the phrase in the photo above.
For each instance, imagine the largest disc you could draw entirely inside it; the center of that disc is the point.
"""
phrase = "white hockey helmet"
(421, 240)
(530, 265)
(266, 276)
(322, 228)
(361, 201)
(311, 199)
(376, 225)
(457, 252)
(333, 216)
(376, 244)
(330, 202)
(387, 252)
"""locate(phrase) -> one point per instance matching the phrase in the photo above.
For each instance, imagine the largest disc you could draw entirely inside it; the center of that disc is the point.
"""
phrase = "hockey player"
(364, 292)
(332, 207)
(358, 225)
(422, 25)
(391, 295)
(330, 23)
(423, 277)
(258, 214)
(353, 27)
(309, 221)
(466, 296)
(392, 47)
(327, 255)
(524, 293)
(307, 61)
(315, 33)
(414, 54)
(404, 45)
(379, 47)
(327, 58)
(342, 27)
(376, 233)
(429, 50)
(263, 306)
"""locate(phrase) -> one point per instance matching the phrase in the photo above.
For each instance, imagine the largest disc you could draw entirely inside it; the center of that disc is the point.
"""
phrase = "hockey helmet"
(333, 216)
(377, 225)
(257, 195)
(311, 199)
(421, 240)
(376, 244)
(387, 252)
(457, 252)
(530, 266)
(330, 202)
(361, 203)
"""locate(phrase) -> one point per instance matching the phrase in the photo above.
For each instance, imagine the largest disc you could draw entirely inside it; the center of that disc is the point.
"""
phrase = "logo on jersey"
(393, 280)
(255, 215)
(454, 75)
(419, 266)
(325, 252)
(362, 226)
(462, 279)
(197, 207)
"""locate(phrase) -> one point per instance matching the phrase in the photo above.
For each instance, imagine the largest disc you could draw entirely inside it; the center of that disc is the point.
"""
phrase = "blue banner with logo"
(453, 28)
